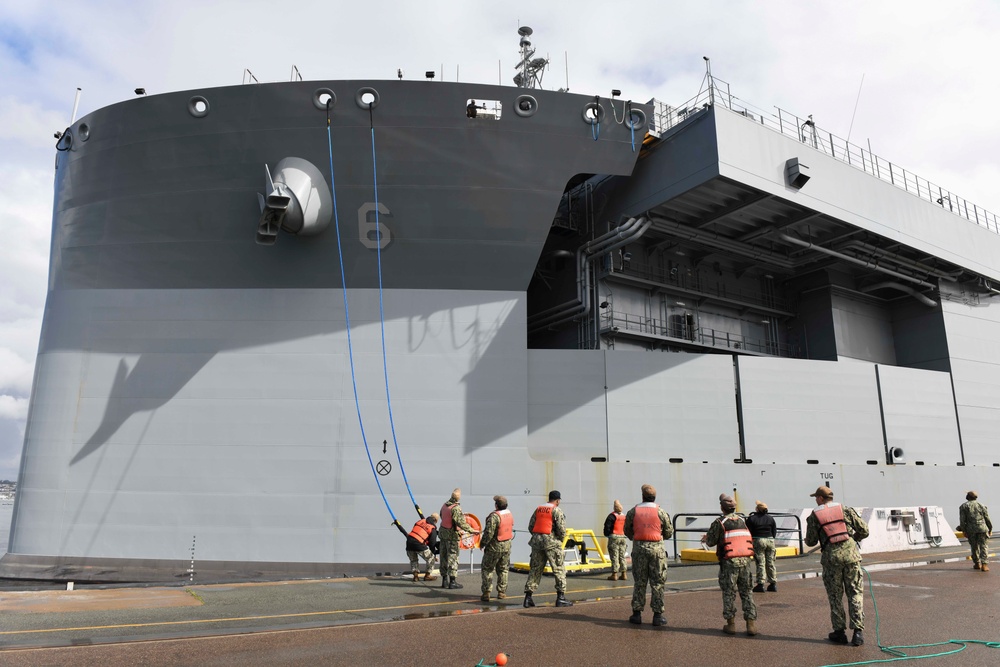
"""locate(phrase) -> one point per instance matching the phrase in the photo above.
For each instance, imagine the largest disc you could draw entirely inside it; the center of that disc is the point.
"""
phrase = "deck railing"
(806, 131)
(615, 322)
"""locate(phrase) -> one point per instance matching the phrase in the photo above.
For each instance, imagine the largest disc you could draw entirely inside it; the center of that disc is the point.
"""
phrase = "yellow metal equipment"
(576, 550)
(706, 556)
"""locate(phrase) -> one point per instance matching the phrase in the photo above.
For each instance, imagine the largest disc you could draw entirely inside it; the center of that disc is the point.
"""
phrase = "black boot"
(444, 580)
(635, 618)
(658, 619)
(561, 600)
(528, 602)
(858, 639)
(454, 584)
(759, 588)
(838, 637)
(772, 587)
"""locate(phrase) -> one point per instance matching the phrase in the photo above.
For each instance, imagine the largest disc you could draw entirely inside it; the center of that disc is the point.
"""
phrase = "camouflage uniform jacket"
(841, 552)
(666, 530)
(553, 539)
(489, 536)
(458, 518)
(973, 517)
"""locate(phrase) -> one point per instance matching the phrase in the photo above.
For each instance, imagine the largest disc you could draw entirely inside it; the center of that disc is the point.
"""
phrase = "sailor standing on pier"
(839, 530)
(548, 530)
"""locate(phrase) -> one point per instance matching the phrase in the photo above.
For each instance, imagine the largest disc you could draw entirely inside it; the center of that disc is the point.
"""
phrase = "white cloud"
(12, 407)
(16, 372)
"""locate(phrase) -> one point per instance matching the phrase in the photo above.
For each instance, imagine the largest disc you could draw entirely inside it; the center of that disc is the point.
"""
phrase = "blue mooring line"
(381, 314)
(347, 317)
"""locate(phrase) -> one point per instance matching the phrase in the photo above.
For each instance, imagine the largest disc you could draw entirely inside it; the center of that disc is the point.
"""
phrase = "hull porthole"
(324, 96)
(198, 106)
(366, 98)
(525, 106)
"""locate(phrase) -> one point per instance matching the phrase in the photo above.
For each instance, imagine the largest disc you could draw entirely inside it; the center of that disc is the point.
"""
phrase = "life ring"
(593, 113)
(318, 95)
(471, 540)
(636, 119)
(198, 106)
(359, 98)
(525, 106)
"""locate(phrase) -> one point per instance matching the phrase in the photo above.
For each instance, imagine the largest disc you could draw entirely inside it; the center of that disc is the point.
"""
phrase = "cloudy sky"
(928, 103)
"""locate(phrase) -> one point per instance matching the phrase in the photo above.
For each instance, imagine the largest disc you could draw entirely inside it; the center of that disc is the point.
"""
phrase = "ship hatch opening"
(483, 109)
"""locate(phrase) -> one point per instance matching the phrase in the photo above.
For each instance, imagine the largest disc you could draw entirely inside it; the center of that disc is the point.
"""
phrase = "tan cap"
(971, 495)
(727, 502)
(823, 491)
(761, 505)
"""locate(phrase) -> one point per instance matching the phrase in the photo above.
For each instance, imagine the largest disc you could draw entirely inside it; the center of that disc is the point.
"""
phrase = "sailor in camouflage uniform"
(647, 525)
(839, 530)
(498, 535)
(729, 533)
(614, 530)
(974, 521)
(548, 530)
(452, 523)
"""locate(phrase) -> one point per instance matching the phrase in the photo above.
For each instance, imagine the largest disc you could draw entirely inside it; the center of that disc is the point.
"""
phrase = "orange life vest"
(646, 525)
(422, 531)
(831, 520)
(736, 541)
(506, 530)
(543, 519)
(619, 528)
(446, 515)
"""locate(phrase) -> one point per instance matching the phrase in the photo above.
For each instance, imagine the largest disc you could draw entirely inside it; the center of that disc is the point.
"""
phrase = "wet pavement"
(923, 596)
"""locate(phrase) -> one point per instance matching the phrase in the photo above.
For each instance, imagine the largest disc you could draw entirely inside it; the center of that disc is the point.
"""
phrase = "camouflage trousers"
(841, 578)
(616, 551)
(415, 557)
(763, 553)
(649, 565)
(735, 576)
(496, 559)
(980, 545)
(553, 555)
(449, 552)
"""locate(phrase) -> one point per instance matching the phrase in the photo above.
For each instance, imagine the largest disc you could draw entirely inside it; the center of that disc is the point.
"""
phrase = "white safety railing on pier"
(806, 131)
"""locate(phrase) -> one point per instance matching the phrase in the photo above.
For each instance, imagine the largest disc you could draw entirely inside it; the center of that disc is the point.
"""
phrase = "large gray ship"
(280, 315)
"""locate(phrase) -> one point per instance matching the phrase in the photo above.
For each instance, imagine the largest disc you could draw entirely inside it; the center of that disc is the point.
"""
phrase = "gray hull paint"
(194, 394)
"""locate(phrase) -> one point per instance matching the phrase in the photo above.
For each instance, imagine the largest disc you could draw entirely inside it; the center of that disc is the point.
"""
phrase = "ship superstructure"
(576, 292)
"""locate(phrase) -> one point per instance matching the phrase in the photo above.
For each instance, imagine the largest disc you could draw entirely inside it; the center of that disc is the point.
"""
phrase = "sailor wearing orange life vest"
(614, 530)
(498, 534)
(734, 547)
(421, 542)
(548, 530)
(647, 525)
(838, 530)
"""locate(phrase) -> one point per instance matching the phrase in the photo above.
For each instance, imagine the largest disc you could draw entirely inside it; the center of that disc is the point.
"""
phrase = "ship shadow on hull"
(491, 342)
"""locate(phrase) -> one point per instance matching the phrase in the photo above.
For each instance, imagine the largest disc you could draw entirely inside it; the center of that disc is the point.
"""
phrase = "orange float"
(471, 541)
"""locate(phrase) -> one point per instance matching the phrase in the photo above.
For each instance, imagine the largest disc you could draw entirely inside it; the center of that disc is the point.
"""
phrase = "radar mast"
(530, 69)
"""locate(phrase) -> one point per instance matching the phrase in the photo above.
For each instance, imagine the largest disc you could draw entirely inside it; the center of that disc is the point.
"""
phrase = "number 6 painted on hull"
(367, 231)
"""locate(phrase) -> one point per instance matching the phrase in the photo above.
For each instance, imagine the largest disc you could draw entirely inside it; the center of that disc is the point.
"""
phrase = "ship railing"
(667, 331)
(715, 515)
(807, 132)
(691, 284)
